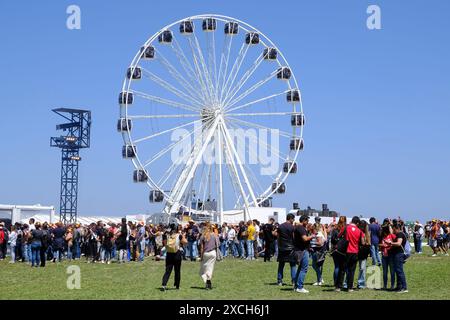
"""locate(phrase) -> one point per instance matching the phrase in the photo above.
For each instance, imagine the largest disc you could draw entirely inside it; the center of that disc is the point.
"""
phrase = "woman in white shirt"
(318, 254)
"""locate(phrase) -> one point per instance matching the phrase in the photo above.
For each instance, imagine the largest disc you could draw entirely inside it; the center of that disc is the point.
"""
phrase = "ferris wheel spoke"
(188, 68)
(226, 50)
(255, 101)
(178, 77)
(212, 65)
(277, 151)
(234, 70)
(243, 80)
(251, 89)
(170, 147)
(254, 114)
(255, 156)
(163, 116)
(165, 131)
(164, 101)
(198, 69)
(252, 124)
(172, 169)
(205, 72)
(170, 88)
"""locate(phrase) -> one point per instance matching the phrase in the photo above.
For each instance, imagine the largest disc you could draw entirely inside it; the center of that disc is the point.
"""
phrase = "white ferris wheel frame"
(251, 200)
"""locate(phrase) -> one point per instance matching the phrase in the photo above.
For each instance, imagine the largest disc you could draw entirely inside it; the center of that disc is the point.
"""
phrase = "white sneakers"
(302, 290)
(318, 283)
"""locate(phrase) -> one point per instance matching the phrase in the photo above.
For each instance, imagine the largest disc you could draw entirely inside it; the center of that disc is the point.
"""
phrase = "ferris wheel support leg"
(235, 173)
(191, 166)
(233, 149)
(219, 144)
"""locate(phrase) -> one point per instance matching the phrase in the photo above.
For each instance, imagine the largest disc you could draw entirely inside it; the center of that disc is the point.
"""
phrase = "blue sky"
(377, 101)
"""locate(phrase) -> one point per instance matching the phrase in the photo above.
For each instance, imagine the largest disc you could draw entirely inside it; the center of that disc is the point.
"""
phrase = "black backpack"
(342, 244)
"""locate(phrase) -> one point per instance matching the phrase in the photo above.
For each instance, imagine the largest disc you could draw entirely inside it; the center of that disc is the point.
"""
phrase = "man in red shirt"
(355, 237)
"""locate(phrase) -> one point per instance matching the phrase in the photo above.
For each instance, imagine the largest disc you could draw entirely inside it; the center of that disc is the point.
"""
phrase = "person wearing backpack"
(399, 254)
(173, 241)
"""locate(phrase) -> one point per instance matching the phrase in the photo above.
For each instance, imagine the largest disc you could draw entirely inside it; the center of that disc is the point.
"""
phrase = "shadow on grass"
(198, 288)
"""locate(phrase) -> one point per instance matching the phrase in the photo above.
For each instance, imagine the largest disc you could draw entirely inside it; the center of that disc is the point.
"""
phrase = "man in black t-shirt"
(285, 234)
(242, 237)
(268, 229)
(397, 251)
(301, 247)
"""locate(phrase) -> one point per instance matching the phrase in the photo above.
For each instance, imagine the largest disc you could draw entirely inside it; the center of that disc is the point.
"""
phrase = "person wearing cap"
(301, 249)
(285, 234)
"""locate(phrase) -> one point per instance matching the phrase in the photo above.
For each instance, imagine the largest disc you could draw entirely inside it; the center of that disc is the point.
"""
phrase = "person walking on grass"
(301, 248)
(173, 241)
(209, 243)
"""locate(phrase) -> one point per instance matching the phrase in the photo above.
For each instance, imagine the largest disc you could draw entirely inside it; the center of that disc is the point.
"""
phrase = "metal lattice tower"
(77, 136)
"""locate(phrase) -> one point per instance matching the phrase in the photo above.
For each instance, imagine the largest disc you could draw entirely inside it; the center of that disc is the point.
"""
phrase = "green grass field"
(427, 278)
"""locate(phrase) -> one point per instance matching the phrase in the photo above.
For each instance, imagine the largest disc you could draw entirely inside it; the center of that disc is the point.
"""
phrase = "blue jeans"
(362, 273)
(13, 253)
(35, 254)
(250, 251)
(374, 248)
(58, 254)
(281, 271)
(26, 252)
(337, 259)
(142, 250)
(69, 253)
(302, 270)
(388, 262)
(224, 248)
(399, 260)
(242, 248)
(113, 251)
(417, 245)
(192, 249)
(77, 249)
(318, 267)
(234, 250)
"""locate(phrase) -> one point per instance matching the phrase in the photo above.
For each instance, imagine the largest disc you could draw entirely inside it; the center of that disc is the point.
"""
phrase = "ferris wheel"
(211, 116)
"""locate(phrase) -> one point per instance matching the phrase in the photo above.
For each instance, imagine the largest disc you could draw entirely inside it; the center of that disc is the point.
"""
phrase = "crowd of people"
(295, 242)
